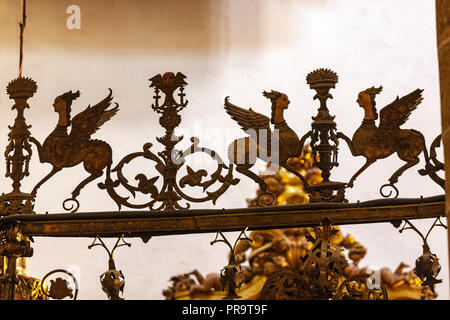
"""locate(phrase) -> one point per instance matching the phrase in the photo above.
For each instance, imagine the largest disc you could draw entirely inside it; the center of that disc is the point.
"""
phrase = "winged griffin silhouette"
(274, 147)
(63, 150)
(375, 143)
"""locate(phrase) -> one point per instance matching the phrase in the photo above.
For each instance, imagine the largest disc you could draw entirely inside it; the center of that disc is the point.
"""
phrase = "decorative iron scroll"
(169, 161)
(433, 165)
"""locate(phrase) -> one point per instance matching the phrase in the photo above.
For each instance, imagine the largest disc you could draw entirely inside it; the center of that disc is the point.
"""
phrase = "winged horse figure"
(63, 150)
(378, 142)
(272, 146)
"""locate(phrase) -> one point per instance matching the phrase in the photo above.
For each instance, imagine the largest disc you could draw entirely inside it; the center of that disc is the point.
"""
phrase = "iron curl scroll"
(169, 161)
(60, 288)
(433, 165)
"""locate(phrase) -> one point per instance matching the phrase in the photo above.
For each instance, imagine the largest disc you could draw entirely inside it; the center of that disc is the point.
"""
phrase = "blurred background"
(225, 48)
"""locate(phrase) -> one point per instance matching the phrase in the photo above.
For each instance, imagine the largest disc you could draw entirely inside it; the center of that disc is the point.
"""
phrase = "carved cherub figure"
(375, 143)
(211, 282)
(63, 150)
(262, 141)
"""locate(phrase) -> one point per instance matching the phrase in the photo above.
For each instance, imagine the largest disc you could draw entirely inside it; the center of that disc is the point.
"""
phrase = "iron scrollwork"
(18, 151)
(170, 160)
(433, 165)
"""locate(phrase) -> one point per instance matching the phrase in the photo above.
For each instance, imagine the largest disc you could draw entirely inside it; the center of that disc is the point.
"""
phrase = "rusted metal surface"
(232, 276)
(140, 224)
(324, 142)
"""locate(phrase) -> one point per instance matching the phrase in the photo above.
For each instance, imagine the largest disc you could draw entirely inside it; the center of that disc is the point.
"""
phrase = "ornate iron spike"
(324, 142)
(432, 164)
(18, 152)
(112, 280)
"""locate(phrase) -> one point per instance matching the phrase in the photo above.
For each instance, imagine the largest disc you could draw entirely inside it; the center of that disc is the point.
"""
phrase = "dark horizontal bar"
(148, 223)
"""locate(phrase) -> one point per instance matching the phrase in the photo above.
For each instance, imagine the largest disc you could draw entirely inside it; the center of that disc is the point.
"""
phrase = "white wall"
(225, 48)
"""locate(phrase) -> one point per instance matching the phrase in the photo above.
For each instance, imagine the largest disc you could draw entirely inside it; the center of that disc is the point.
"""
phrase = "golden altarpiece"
(278, 250)
(295, 249)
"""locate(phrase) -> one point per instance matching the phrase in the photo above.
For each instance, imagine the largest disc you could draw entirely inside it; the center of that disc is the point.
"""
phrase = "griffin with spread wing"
(63, 150)
(375, 143)
(274, 147)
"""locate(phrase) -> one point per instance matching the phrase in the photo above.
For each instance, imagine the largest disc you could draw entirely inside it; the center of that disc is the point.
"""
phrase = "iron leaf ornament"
(232, 275)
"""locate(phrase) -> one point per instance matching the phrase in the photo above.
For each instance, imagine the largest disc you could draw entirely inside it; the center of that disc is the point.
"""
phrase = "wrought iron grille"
(167, 205)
